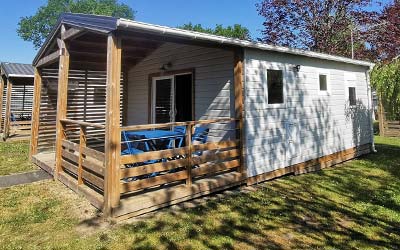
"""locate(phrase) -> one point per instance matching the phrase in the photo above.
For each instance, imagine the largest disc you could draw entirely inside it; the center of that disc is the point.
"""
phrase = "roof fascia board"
(21, 76)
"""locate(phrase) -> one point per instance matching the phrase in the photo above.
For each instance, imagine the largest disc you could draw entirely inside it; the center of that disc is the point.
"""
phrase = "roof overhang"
(103, 24)
(94, 23)
(16, 70)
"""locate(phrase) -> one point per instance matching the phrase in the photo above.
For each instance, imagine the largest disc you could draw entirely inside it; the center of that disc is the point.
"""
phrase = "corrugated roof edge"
(21, 69)
(126, 24)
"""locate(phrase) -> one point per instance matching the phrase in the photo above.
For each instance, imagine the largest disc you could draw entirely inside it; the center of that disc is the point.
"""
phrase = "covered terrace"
(137, 117)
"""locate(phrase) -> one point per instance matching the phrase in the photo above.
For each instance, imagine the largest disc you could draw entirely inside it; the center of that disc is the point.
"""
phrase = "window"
(275, 86)
(323, 82)
(352, 96)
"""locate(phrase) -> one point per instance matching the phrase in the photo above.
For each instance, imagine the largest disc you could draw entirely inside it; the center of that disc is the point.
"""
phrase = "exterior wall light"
(166, 66)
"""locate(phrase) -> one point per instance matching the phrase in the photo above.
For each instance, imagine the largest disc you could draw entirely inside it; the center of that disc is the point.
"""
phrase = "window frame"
(275, 105)
(355, 95)
(328, 82)
(350, 80)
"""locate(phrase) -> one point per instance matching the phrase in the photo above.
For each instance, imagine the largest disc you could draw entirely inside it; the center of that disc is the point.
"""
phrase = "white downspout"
(370, 109)
(244, 108)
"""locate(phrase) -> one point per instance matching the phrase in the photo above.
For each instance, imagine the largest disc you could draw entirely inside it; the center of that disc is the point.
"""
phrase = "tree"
(235, 31)
(320, 25)
(385, 79)
(37, 27)
(385, 40)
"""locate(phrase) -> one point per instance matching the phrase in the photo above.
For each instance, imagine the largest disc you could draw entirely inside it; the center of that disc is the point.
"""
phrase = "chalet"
(16, 94)
(137, 116)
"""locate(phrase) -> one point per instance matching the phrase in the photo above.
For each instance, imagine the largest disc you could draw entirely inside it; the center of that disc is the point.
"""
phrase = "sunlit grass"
(353, 206)
(14, 157)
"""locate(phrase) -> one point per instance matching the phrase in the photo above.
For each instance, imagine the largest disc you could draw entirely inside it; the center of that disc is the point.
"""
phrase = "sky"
(170, 13)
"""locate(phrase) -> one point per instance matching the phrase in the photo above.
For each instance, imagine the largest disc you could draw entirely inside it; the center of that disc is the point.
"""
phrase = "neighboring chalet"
(16, 93)
(138, 116)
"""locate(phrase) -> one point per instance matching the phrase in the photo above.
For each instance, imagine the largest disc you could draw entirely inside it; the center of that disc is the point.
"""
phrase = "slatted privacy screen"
(194, 160)
(21, 110)
(3, 110)
(48, 110)
(86, 102)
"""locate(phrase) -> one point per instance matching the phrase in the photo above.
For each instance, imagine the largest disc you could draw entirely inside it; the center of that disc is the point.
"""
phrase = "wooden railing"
(184, 165)
(83, 163)
(155, 169)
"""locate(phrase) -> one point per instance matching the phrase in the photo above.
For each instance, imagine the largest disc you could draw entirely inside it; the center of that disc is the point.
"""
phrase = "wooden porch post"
(37, 91)
(112, 131)
(238, 83)
(1, 102)
(62, 96)
(7, 117)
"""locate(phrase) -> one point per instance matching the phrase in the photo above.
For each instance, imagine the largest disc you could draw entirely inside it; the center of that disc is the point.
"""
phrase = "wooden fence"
(387, 127)
(391, 129)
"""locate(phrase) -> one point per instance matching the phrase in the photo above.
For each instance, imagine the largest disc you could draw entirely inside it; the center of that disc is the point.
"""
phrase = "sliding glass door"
(163, 100)
(172, 98)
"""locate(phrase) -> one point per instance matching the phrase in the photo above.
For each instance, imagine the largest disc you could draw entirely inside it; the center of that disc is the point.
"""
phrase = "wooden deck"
(45, 161)
(134, 204)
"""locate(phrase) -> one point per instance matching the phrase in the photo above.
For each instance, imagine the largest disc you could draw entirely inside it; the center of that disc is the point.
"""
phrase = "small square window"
(323, 83)
(352, 96)
(275, 86)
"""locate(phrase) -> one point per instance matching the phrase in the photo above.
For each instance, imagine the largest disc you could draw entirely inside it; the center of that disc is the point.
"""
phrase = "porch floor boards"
(46, 161)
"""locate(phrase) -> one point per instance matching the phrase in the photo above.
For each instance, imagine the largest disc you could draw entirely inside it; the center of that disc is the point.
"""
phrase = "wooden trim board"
(140, 204)
(312, 165)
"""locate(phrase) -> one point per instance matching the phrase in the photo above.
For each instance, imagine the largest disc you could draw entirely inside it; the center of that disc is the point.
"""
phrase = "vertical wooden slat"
(62, 96)
(7, 116)
(82, 145)
(238, 87)
(189, 131)
(112, 130)
(37, 91)
(1, 102)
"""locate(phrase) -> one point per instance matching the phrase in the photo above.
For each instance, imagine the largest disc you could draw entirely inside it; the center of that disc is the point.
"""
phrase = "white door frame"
(172, 95)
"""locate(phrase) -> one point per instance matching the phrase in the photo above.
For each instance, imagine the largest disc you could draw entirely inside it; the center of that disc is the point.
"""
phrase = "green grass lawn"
(353, 206)
(14, 157)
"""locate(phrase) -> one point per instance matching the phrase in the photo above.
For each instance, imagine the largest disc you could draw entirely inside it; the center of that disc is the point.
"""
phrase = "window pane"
(323, 85)
(352, 96)
(275, 86)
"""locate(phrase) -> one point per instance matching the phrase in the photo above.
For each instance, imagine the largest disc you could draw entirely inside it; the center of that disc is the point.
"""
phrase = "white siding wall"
(213, 74)
(321, 124)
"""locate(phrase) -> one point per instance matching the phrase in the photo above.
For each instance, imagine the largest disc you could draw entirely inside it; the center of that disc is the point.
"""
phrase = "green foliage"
(385, 78)
(37, 27)
(235, 31)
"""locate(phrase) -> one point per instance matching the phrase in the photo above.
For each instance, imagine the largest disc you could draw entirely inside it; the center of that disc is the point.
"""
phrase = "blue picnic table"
(151, 137)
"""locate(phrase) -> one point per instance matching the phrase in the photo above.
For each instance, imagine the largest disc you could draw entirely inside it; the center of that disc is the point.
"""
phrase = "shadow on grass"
(356, 205)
